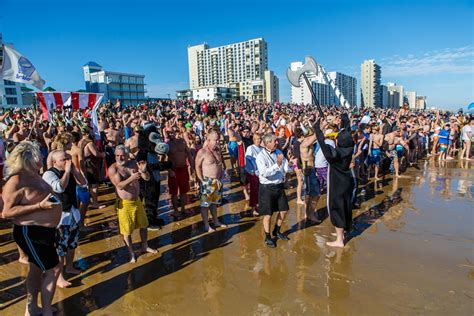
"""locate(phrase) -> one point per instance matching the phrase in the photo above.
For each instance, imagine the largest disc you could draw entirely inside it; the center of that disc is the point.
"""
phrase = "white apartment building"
(126, 87)
(396, 94)
(301, 94)
(239, 65)
(326, 96)
(370, 74)
(411, 97)
(10, 92)
(213, 93)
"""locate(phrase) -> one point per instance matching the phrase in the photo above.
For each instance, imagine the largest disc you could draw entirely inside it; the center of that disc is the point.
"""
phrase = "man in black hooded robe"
(340, 181)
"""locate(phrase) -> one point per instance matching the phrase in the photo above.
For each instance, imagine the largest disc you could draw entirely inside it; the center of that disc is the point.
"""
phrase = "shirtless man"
(112, 139)
(124, 174)
(132, 142)
(22, 133)
(178, 179)
(232, 145)
(48, 135)
(393, 140)
(27, 202)
(82, 191)
(375, 153)
(209, 170)
(310, 177)
(92, 159)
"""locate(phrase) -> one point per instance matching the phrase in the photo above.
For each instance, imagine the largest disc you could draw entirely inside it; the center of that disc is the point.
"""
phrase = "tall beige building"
(371, 94)
(421, 103)
(272, 87)
(242, 66)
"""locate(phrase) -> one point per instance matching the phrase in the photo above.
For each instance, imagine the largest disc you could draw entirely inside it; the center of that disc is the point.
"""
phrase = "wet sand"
(411, 252)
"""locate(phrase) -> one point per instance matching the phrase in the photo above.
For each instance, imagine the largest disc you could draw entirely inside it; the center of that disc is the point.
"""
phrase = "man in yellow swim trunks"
(125, 175)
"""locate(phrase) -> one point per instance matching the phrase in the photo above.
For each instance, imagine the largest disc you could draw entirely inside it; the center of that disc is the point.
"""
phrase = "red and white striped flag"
(50, 101)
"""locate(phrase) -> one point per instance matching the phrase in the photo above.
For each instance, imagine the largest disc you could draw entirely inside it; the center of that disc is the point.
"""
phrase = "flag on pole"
(50, 101)
(18, 68)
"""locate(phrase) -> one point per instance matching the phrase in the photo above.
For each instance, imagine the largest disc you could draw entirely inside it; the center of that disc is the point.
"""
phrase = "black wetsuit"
(340, 181)
(150, 190)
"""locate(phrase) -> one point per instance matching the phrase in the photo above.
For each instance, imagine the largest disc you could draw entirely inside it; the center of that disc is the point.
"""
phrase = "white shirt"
(466, 132)
(66, 217)
(251, 159)
(269, 172)
(198, 128)
(365, 120)
(319, 159)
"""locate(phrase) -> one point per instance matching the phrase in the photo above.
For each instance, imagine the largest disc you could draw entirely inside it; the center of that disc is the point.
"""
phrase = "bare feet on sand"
(219, 224)
(336, 243)
(149, 250)
(23, 260)
(209, 229)
(62, 283)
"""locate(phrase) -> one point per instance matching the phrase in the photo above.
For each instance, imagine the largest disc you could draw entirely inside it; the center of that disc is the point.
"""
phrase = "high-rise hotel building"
(371, 92)
(242, 66)
(323, 91)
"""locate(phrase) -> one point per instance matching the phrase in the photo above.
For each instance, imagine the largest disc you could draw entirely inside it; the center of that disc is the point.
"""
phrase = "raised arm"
(329, 152)
(117, 180)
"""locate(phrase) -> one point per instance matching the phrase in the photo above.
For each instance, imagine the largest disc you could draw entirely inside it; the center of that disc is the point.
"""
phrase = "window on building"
(10, 91)
(11, 101)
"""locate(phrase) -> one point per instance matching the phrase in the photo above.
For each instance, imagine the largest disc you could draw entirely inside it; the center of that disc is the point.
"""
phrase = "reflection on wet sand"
(411, 252)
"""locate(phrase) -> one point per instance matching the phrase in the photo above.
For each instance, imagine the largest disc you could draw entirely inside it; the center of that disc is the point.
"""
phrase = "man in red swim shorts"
(178, 176)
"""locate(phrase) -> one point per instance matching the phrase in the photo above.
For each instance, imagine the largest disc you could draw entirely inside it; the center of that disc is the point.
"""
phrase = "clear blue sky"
(427, 46)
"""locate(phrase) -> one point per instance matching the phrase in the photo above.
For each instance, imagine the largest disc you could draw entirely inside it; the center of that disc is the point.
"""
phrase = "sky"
(426, 46)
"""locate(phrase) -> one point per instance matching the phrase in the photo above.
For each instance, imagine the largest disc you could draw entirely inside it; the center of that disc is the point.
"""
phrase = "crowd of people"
(53, 169)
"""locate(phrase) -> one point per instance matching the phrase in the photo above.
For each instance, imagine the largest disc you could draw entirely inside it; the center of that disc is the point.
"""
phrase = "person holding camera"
(63, 177)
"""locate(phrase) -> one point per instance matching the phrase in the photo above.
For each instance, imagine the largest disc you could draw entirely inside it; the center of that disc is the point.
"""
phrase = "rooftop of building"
(208, 47)
(108, 72)
(92, 64)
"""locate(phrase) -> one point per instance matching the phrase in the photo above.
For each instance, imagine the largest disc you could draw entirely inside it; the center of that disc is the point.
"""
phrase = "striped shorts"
(38, 243)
